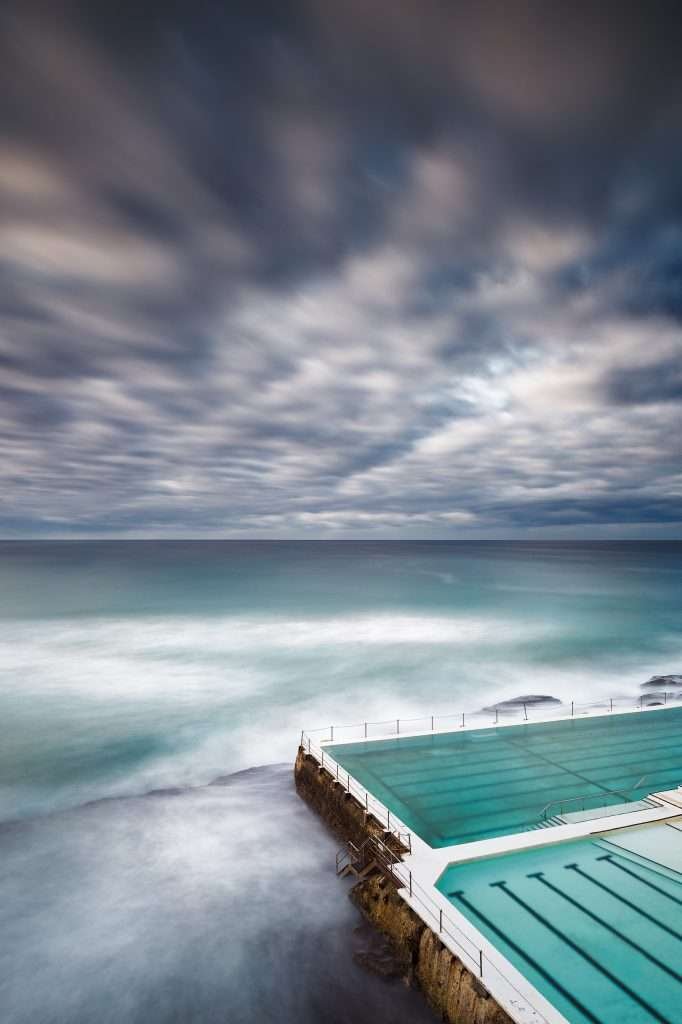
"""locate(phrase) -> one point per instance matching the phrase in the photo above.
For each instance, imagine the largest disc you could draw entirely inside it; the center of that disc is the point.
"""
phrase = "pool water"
(595, 924)
(475, 784)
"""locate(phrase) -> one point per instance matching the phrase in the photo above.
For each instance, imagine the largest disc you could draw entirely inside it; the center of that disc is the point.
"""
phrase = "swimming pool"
(475, 784)
(595, 924)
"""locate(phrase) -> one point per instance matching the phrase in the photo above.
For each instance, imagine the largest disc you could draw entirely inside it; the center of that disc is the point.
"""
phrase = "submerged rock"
(663, 683)
(532, 700)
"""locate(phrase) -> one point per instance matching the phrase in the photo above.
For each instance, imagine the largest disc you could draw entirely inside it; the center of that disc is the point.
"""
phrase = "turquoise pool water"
(468, 785)
(594, 924)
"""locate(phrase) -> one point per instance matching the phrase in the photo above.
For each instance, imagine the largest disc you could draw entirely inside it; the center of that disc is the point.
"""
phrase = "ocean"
(155, 863)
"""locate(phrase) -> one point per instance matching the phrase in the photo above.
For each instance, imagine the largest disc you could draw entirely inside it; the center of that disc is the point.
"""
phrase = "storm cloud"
(324, 269)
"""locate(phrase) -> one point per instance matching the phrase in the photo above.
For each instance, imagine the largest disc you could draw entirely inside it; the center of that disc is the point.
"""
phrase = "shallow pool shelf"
(545, 856)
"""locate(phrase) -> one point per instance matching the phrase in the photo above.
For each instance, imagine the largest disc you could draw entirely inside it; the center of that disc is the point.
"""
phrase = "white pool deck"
(421, 869)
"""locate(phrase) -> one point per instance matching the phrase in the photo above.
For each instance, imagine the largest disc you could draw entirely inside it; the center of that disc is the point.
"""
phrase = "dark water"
(129, 667)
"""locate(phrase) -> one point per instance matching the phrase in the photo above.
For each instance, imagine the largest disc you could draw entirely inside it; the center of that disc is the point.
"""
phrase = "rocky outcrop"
(531, 700)
(411, 949)
(670, 684)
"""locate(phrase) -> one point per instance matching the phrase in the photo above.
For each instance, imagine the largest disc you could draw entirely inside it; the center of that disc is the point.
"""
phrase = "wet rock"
(653, 698)
(532, 700)
(380, 961)
(663, 683)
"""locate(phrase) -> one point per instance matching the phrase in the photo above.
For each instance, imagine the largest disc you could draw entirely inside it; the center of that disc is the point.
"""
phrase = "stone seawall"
(454, 993)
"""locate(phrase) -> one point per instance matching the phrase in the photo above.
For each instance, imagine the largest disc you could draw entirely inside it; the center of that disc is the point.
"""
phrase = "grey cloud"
(651, 383)
(311, 269)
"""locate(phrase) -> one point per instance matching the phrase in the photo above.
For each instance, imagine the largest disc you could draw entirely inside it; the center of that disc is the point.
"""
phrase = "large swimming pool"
(476, 784)
(594, 924)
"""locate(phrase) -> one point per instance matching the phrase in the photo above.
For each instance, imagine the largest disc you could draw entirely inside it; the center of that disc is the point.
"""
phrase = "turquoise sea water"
(130, 669)
(129, 666)
(461, 787)
(593, 925)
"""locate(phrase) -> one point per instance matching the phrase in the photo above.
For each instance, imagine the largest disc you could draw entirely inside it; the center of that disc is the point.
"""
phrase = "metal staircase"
(360, 861)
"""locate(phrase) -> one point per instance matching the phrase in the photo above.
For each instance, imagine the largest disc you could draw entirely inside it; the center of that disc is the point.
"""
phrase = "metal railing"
(432, 913)
(624, 795)
(525, 712)
(391, 823)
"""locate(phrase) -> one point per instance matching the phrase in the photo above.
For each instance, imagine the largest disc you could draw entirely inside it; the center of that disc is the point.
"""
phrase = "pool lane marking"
(570, 771)
(540, 877)
(459, 895)
(581, 952)
(633, 906)
(453, 750)
(471, 754)
(608, 857)
(576, 775)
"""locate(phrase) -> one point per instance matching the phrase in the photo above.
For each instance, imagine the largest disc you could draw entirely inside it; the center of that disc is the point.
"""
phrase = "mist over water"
(132, 667)
(210, 905)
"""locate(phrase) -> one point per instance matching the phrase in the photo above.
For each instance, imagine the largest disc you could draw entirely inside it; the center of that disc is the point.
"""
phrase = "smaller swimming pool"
(595, 924)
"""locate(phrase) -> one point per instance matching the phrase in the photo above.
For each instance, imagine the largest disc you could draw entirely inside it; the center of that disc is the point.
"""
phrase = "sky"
(325, 269)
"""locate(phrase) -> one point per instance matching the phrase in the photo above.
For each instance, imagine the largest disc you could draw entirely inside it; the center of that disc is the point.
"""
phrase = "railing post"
(431, 723)
(410, 883)
(612, 704)
(525, 712)
(366, 802)
(323, 758)
(496, 715)
(365, 730)
(571, 709)
(397, 725)
(309, 744)
(302, 737)
(388, 819)
(331, 730)
(480, 955)
(462, 720)
(440, 920)
(337, 771)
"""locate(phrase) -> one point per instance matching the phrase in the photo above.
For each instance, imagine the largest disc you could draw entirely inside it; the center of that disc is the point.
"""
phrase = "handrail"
(445, 722)
(562, 801)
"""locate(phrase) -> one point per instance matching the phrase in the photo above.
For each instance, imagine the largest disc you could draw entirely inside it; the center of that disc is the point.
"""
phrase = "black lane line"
(645, 881)
(622, 899)
(576, 775)
(646, 739)
(613, 751)
(526, 956)
(581, 952)
(539, 875)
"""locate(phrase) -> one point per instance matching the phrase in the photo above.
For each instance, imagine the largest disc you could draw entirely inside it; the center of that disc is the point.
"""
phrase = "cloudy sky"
(340, 269)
